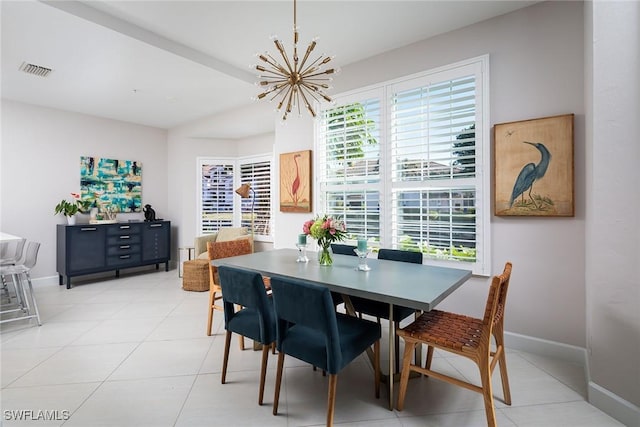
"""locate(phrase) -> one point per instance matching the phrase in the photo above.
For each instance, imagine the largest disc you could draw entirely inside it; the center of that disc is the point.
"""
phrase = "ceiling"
(167, 63)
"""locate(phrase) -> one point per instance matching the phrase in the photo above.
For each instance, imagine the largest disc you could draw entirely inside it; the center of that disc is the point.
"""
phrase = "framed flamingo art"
(295, 181)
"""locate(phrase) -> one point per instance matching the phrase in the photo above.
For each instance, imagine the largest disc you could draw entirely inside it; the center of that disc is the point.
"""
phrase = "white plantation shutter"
(348, 165)
(423, 185)
(216, 195)
(426, 121)
(433, 164)
(220, 206)
(258, 174)
(360, 209)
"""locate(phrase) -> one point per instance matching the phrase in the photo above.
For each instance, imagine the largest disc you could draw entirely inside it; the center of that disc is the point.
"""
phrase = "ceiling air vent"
(36, 70)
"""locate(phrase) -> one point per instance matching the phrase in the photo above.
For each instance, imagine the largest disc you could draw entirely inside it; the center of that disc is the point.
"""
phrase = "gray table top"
(411, 285)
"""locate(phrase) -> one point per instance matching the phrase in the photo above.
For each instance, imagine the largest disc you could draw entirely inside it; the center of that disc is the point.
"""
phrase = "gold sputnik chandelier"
(295, 83)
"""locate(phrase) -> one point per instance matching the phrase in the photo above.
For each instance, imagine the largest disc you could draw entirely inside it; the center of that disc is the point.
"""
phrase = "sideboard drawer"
(123, 249)
(123, 260)
(124, 239)
(118, 229)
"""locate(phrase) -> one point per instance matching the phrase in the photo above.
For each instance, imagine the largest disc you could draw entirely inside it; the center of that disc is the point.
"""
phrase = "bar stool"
(20, 273)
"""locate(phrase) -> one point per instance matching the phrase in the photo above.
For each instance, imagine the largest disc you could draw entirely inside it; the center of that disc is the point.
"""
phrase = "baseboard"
(42, 281)
(608, 402)
(103, 275)
(566, 352)
(613, 405)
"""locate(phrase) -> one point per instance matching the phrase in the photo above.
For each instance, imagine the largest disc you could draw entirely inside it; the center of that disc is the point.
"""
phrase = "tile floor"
(133, 352)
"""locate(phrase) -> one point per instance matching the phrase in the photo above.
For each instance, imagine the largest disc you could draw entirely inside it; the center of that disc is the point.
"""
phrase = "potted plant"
(70, 209)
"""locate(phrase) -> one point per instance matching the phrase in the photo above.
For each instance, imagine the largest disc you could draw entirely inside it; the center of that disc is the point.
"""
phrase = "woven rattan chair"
(465, 336)
(217, 250)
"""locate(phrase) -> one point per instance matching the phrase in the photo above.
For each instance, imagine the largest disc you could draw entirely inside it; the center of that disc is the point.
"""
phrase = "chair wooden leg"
(240, 337)
(397, 347)
(505, 378)
(331, 398)
(487, 393)
(263, 372)
(225, 360)
(409, 347)
(502, 361)
(376, 367)
(427, 363)
(276, 395)
(212, 296)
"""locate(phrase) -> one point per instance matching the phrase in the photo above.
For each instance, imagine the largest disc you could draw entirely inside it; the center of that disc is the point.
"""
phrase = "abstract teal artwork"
(110, 184)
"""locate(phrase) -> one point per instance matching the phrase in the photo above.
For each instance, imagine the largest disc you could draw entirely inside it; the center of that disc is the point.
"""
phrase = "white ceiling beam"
(98, 17)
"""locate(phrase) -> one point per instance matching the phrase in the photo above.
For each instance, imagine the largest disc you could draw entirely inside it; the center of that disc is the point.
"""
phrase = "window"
(220, 206)
(256, 210)
(216, 195)
(404, 164)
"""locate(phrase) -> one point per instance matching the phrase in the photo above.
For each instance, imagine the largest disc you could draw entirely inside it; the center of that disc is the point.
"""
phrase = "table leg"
(390, 378)
(392, 352)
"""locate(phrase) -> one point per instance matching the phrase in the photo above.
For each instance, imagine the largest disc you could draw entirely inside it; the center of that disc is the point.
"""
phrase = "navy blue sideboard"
(94, 248)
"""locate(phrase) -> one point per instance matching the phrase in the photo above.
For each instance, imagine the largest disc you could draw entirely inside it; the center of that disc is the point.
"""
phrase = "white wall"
(183, 177)
(613, 234)
(536, 61)
(294, 135)
(183, 153)
(40, 165)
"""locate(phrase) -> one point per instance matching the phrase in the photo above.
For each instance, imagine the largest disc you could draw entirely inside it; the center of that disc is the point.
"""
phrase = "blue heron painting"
(530, 173)
(533, 168)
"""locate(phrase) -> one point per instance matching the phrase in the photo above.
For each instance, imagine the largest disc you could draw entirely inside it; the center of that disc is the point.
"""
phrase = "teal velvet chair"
(255, 319)
(381, 310)
(309, 329)
(341, 249)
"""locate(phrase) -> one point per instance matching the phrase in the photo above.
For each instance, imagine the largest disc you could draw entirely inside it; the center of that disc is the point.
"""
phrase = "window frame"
(237, 163)
(482, 180)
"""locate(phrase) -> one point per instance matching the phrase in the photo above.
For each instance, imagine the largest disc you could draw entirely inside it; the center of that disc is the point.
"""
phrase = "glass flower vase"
(325, 255)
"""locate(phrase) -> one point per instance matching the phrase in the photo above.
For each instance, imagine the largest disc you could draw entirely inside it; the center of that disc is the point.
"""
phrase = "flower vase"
(71, 220)
(325, 255)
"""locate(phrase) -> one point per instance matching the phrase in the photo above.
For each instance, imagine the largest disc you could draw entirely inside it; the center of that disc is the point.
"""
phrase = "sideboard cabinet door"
(86, 248)
(156, 241)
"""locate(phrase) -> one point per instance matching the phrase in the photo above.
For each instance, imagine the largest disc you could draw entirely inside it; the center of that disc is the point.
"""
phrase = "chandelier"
(295, 83)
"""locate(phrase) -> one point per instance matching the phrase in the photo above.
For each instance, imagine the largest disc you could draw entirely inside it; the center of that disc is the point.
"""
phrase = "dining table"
(6, 237)
(418, 286)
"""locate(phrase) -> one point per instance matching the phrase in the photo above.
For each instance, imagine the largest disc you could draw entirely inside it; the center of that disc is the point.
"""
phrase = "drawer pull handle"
(124, 227)
(125, 246)
(155, 225)
(125, 256)
(125, 237)
(88, 229)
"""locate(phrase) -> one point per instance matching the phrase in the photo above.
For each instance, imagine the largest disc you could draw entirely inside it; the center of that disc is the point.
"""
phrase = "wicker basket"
(195, 276)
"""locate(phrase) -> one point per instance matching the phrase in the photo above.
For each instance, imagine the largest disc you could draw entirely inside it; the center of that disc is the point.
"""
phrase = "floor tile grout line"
(186, 398)
(38, 364)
